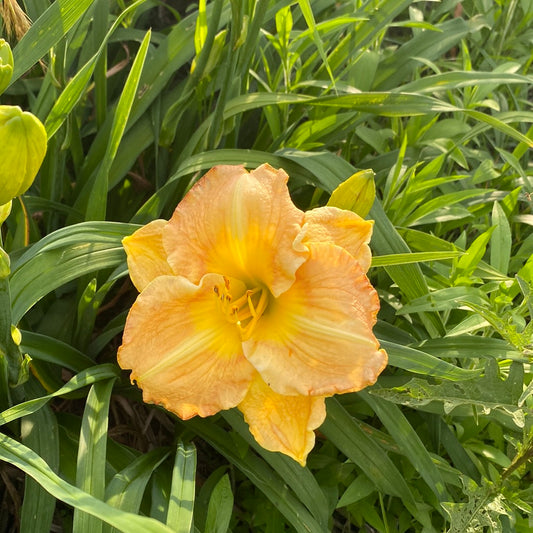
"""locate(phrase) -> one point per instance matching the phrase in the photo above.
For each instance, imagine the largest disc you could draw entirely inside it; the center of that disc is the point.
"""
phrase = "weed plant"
(139, 99)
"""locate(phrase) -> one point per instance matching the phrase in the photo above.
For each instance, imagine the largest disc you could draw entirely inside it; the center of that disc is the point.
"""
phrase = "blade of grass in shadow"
(40, 433)
(75, 88)
(90, 469)
(299, 479)
(409, 442)
(171, 55)
(126, 490)
(63, 256)
(259, 473)
(181, 499)
(173, 114)
(83, 379)
(29, 462)
(342, 430)
(305, 6)
(220, 507)
(94, 194)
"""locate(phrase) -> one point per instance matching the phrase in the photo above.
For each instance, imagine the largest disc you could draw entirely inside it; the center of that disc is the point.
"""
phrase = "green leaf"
(501, 240)
(46, 32)
(445, 299)
(420, 362)
(474, 254)
(48, 349)
(126, 489)
(75, 88)
(63, 256)
(39, 432)
(484, 508)
(28, 461)
(409, 442)
(305, 6)
(181, 501)
(259, 473)
(299, 479)
(95, 191)
(220, 507)
(344, 432)
(83, 379)
(486, 394)
(92, 448)
(358, 489)
(413, 257)
(462, 78)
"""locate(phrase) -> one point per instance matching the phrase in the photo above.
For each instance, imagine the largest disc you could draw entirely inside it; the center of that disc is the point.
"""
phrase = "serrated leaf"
(486, 394)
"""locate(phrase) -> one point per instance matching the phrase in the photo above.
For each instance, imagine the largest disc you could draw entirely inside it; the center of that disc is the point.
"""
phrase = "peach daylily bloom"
(246, 301)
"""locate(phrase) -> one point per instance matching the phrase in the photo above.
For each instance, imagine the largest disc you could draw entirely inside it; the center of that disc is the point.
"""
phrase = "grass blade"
(181, 501)
(46, 32)
(29, 462)
(409, 442)
(94, 193)
(83, 379)
(90, 471)
(126, 490)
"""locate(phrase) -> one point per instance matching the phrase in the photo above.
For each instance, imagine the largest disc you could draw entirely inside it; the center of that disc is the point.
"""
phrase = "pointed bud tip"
(356, 194)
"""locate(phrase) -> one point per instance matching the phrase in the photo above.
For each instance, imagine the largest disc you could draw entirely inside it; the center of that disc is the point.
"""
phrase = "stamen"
(246, 310)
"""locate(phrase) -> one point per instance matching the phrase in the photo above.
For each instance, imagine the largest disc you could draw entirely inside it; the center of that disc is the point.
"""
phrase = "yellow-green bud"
(22, 149)
(4, 264)
(6, 65)
(16, 335)
(5, 209)
(356, 194)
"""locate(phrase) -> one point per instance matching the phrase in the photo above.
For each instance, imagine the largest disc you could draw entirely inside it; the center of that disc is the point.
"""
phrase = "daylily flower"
(246, 301)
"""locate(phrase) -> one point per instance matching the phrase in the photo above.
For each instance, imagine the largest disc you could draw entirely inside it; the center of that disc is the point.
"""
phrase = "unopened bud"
(6, 65)
(4, 264)
(22, 149)
(5, 209)
(356, 194)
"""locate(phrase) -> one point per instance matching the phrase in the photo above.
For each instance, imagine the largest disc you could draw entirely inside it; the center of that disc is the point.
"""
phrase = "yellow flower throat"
(245, 310)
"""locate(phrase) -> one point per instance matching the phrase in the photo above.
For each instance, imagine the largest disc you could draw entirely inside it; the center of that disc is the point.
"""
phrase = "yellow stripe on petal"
(283, 424)
(340, 227)
(316, 338)
(183, 352)
(147, 258)
(238, 224)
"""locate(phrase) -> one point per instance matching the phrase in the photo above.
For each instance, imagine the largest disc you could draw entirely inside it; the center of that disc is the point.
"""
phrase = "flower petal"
(182, 350)
(340, 227)
(317, 338)
(147, 258)
(280, 423)
(238, 224)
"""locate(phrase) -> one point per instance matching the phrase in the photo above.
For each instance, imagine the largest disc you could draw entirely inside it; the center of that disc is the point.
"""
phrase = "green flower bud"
(356, 194)
(4, 264)
(6, 65)
(22, 149)
(16, 335)
(5, 209)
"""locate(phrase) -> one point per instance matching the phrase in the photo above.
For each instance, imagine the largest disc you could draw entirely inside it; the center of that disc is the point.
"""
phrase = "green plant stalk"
(521, 459)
